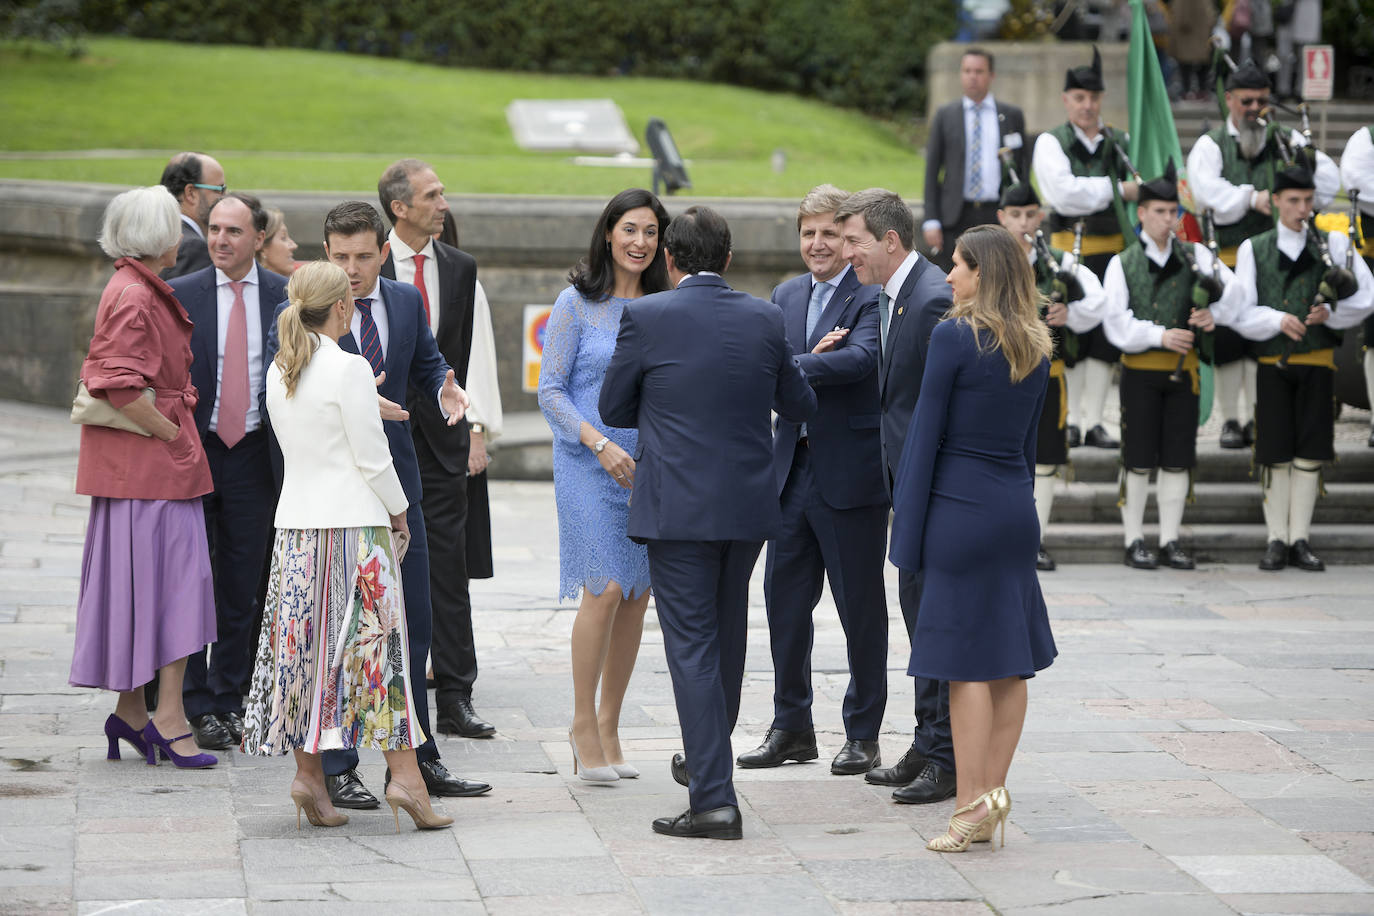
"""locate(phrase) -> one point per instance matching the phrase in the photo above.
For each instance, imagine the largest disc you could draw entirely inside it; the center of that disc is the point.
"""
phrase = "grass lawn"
(304, 120)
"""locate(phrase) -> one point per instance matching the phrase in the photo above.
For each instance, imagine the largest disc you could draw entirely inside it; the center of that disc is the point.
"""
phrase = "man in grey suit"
(197, 182)
(963, 174)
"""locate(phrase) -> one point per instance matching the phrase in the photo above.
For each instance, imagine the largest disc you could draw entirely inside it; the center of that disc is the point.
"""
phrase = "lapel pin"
(900, 309)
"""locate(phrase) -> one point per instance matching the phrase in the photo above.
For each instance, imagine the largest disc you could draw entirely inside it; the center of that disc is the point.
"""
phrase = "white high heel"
(591, 774)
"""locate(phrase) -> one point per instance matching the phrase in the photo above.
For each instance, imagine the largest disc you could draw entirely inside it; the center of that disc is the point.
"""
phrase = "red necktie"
(420, 284)
(233, 385)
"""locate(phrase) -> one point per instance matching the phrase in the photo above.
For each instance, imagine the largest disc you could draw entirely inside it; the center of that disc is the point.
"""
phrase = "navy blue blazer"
(843, 436)
(924, 299)
(696, 370)
(197, 294)
(412, 362)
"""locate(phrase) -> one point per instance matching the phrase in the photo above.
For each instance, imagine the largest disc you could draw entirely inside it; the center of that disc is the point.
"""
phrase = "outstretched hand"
(389, 410)
(453, 399)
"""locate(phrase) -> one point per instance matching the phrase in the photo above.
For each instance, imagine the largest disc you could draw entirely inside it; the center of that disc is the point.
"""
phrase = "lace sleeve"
(562, 336)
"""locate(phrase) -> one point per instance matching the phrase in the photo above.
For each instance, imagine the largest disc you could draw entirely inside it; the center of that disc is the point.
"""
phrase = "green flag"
(1154, 137)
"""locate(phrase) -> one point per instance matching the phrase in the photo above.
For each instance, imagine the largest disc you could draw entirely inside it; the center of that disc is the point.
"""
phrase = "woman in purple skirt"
(146, 596)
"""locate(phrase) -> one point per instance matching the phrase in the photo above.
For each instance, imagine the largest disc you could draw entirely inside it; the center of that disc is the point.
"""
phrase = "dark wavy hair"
(594, 275)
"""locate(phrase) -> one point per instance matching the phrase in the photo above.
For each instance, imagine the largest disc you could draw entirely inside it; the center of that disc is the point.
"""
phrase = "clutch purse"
(401, 543)
(89, 410)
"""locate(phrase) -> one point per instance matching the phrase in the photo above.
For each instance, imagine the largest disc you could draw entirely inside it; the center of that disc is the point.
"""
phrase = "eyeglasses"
(1244, 103)
(211, 187)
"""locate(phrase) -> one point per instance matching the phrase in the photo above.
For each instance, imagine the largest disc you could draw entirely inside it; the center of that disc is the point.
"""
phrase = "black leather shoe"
(233, 722)
(1275, 556)
(716, 824)
(1301, 556)
(461, 719)
(1043, 561)
(679, 770)
(906, 769)
(210, 733)
(347, 791)
(933, 785)
(439, 781)
(1231, 436)
(1075, 436)
(1138, 556)
(778, 747)
(856, 757)
(1249, 433)
(1098, 437)
(1175, 557)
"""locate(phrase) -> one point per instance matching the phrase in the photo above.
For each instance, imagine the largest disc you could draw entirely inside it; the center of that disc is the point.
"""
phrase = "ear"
(669, 260)
(262, 238)
(386, 249)
(728, 258)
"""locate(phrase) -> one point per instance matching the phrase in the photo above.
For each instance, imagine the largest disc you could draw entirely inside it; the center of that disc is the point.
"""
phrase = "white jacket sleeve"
(1086, 313)
(1125, 331)
(363, 428)
(484, 390)
(1228, 202)
(1064, 192)
(1357, 168)
(1241, 308)
(1354, 308)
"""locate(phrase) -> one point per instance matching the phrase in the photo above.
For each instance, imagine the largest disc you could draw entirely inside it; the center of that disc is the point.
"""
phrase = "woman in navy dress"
(965, 518)
(593, 472)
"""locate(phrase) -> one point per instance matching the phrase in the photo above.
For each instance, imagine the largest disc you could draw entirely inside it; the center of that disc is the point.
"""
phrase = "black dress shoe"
(1075, 436)
(461, 719)
(347, 791)
(1138, 556)
(233, 722)
(439, 781)
(1098, 437)
(716, 824)
(856, 757)
(1175, 557)
(778, 747)
(679, 770)
(933, 785)
(1275, 556)
(210, 733)
(906, 769)
(1231, 436)
(1301, 556)
(1249, 433)
(1043, 561)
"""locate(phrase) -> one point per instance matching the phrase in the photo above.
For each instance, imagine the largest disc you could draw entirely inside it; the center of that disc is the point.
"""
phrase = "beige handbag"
(89, 410)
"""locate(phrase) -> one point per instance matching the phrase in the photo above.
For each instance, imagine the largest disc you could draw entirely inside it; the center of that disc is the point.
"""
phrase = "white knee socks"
(1228, 381)
(1277, 498)
(1250, 370)
(1097, 378)
(1073, 389)
(1305, 487)
(1133, 510)
(1172, 494)
(1044, 495)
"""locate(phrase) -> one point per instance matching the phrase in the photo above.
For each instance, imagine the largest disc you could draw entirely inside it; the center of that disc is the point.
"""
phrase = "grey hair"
(883, 211)
(395, 184)
(141, 223)
(823, 198)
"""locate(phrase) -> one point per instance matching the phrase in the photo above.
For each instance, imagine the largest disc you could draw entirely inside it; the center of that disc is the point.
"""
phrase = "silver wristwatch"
(600, 445)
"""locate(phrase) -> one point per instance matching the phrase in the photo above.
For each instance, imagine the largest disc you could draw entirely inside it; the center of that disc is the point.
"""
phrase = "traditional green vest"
(1065, 341)
(1258, 172)
(1290, 291)
(1163, 296)
(1084, 164)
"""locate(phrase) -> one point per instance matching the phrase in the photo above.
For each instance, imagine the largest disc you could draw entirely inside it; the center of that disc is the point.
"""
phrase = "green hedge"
(867, 55)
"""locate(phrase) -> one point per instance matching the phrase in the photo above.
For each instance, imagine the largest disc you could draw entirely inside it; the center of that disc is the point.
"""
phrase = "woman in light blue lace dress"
(593, 471)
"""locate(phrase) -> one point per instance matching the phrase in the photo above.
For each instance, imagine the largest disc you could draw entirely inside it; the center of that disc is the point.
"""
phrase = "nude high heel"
(593, 774)
(965, 831)
(1001, 799)
(305, 801)
(398, 797)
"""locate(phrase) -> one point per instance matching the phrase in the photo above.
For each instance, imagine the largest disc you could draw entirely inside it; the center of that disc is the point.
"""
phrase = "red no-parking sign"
(1318, 72)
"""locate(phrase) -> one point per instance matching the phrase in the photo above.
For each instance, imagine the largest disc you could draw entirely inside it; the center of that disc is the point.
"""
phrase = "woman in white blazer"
(332, 668)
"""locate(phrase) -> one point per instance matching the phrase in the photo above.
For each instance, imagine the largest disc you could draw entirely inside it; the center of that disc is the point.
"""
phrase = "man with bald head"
(231, 303)
(197, 182)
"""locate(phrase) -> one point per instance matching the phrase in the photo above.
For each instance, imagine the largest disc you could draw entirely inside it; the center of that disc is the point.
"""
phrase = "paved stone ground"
(1205, 744)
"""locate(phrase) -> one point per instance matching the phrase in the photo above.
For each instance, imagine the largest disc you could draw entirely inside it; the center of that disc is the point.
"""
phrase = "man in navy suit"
(828, 474)
(390, 330)
(696, 369)
(879, 234)
(231, 304)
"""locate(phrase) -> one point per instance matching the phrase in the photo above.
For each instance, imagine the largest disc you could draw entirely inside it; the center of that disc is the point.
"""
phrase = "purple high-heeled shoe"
(116, 729)
(158, 743)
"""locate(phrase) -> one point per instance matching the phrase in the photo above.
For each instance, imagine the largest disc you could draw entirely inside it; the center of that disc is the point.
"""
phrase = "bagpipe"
(1337, 282)
(1207, 287)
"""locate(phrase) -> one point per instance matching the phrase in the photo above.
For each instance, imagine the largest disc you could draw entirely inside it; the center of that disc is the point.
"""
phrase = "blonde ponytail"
(311, 292)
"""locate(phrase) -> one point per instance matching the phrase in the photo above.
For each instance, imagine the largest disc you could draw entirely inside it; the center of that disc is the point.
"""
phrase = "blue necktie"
(814, 308)
(975, 169)
(370, 346)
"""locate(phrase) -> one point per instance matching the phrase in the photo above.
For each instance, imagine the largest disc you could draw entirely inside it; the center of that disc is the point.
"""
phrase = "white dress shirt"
(484, 390)
(893, 286)
(1230, 202)
(1086, 313)
(1357, 168)
(1062, 191)
(1124, 330)
(1243, 310)
(224, 301)
(403, 260)
(194, 225)
(336, 459)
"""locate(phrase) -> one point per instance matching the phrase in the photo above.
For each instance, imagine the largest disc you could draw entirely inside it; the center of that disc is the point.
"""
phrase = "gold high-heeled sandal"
(1000, 799)
(964, 831)
(305, 801)
(419, 810)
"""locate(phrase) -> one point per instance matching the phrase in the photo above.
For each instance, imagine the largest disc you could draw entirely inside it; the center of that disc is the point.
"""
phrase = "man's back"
(698, 370)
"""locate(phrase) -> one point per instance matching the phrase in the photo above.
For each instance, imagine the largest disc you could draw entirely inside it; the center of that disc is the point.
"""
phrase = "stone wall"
(52, 271)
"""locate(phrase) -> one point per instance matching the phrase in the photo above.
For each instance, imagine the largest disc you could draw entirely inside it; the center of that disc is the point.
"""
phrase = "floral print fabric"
(332, 669)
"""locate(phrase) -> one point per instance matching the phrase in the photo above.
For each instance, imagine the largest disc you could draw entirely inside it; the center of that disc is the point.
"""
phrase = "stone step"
(1217, 503)
(1232, 544)
(1354, 464)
